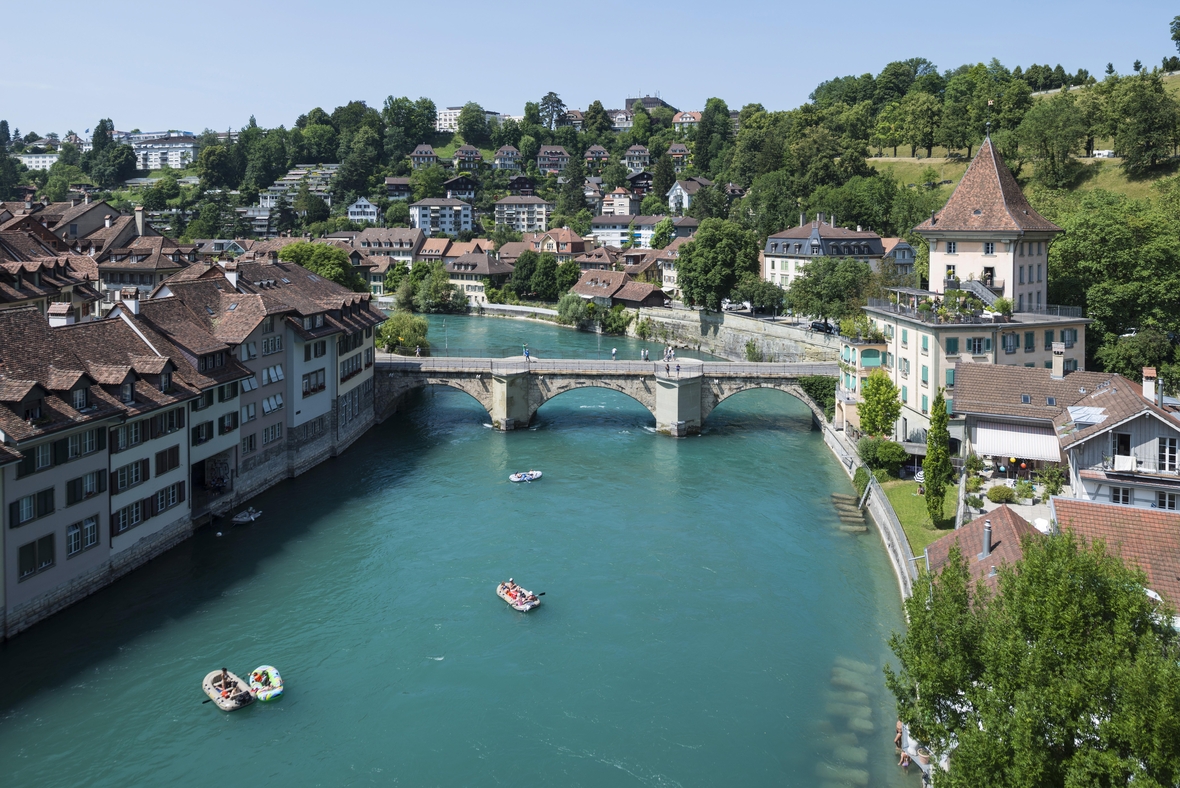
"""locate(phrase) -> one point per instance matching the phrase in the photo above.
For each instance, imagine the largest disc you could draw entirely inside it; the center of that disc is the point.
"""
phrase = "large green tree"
(473, 125)
(830, 287)
(663, 177)
(327, 260)
(937, 465)
(1144, 117)
(572, 197)
(712, 263)
(923, 114)
(1067, 675)
(568, 274)
(879, 407)
(1052, 132)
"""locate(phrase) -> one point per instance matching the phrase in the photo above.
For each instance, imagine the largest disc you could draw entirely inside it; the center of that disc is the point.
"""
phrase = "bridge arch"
(543, 389)
(392, 389)
(717, 391)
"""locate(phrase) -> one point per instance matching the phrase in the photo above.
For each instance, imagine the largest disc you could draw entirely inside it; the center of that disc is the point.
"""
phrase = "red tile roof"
(1148, 538)
(987, 199)
(1008, 529)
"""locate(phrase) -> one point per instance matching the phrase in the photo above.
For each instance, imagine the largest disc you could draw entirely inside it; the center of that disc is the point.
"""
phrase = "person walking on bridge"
(614, 351)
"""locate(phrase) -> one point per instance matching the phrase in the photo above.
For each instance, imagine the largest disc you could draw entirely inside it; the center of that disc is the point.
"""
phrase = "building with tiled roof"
(433, 250)
(467, 157)
(987, 543)
(440, 215)
(679, 154)
(552, 158)
(597, 157)
(602, 258)
(523, 214)
(423, 156)
(608, 288)
(988, 232)
(469, 271)
(686, 121)
(562, 242)
(786, 253)
(1148, 539)
(506, 158)
(398, 188)
(510, 251)
(637, 158)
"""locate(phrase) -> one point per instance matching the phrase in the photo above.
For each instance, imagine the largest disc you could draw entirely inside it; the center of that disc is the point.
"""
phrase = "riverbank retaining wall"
(726, 334)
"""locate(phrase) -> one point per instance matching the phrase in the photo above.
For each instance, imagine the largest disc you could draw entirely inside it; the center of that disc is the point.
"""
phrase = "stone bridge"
(512, 389)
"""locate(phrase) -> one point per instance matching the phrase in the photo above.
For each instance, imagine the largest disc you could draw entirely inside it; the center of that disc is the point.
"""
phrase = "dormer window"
(165, 382)
(80, 398)
(319, 321)
(127, 392)
(33, 411)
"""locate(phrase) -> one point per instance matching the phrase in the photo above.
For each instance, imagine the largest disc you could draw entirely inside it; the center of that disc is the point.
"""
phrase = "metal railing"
(684, 368)
(1150, 466)
(1052, 310)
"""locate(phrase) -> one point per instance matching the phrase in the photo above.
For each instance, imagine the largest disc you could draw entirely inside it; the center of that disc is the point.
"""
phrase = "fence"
(895, 539)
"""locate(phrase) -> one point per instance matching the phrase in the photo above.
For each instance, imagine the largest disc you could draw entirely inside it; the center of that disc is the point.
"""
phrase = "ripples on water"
(705, 621)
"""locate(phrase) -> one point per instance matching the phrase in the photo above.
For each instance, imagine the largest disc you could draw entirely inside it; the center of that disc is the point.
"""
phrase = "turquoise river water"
(705, 622)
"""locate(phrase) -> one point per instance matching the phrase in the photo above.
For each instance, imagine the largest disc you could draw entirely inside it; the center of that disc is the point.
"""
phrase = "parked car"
(822, 327)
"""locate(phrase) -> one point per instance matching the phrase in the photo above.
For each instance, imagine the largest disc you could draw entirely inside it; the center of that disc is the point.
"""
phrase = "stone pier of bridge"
(679, 396)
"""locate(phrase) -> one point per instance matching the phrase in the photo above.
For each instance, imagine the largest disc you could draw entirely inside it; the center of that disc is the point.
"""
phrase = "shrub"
(1003, 306)
(1001, 494)
(1052, 478)
(974, 484)
(882, 454)
(645, 329)
(881, 475)
(752, 351)
(974, 502)
(616, 320)
(1024, 489)
(402, 332)
(974, 464)
(860, 480)
(571, 310)
(822, 390)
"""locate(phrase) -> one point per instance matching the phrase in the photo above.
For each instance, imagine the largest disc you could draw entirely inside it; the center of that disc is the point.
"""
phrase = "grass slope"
(911, 511)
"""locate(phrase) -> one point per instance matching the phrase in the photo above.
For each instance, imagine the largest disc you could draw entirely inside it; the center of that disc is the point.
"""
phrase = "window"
(167, 459)
(1051, 401)
(31, 507)
(205, 400)
(1048, 339)
(904, 366)
(43, 456)
(272, 344)
(248, 350)
(130, 475)
(1165, 500)
(80, 399)
(272, 433)
(227, 423)
(925, 375)
(1011, 342)
(950, 378)
(272, 374)
(167, 423)
(989, 247)
(271, 404)
(905, 337)
(249, 412)
(82, 536)
(85, 486)
(169, 496)
(268, 325)
(350, 366)
(349, 406)
(35, 557)
(73, 539)
(202, 433)
(1030, 341)
(1166, 454)
(314, 382)
(165, 382)
(250, 443)
(249, 384)
(1026, 399)
(128, 517)
(925, 404)
(952, 346)
(315, 350)
(227, 392)
(905, 394)
(925, 343)
(951, 247)
(1020, 303)
(1121, 495)
(83, 443)
(126, 392)
(1071, 365)
(975, 346)
(1069, 336)
(1021, 270)
(1038, 272)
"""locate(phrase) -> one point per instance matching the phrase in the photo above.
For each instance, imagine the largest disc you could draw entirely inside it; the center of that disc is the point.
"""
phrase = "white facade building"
(440, 215)
(363, 211)
(173, 149)
(37, 161)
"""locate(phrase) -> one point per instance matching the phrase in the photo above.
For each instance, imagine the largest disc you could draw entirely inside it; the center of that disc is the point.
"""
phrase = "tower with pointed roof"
(988, 232)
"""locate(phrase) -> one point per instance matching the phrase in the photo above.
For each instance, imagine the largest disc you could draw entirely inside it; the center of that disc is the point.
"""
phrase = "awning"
(994, 439)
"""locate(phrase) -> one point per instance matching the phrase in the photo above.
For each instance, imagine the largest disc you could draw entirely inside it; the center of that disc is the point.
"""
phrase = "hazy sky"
(159, 65)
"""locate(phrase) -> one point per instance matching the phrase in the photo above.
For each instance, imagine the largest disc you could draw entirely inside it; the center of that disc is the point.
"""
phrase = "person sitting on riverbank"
(904, 762)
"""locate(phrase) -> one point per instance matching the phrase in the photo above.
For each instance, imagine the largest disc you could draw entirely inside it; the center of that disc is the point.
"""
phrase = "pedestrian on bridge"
(614, 351)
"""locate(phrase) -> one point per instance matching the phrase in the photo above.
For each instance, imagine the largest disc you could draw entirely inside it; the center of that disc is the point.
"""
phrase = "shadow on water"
(184, 580)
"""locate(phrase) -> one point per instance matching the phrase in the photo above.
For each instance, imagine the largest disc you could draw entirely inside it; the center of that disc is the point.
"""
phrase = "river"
(705, 622)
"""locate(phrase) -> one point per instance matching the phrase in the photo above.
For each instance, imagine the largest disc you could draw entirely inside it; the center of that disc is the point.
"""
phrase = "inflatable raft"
(266, 683)
(248, 516)
(517, 598)
(526, 476)
(234, 695)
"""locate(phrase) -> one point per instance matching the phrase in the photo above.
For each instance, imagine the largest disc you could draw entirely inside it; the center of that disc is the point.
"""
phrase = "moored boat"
(266, 683)
(227, 690)
(246, 516)
(525, 476)
(518, 598)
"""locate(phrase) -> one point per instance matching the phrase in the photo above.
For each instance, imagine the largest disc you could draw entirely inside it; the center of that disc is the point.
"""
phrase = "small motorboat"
(525, 476)
(266, 683)
(518, 598)
(230, 695)
(247, 516)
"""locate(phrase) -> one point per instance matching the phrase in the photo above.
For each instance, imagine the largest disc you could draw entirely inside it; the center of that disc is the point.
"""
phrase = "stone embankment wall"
(725, 334)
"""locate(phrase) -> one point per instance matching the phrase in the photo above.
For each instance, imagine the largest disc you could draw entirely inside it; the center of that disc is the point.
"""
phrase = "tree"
(404, 333)
(923, 114)
(543, 282)
(653, 205)
(398, 214)
(552, 110)
(664, 177)
(522, 273)
(329, 261)
(572, 197)
(713, 262)
(1127, 356)
(102, 139)
(9, 176)
(5, 136)
(937, 465)
(640, 123)
(285, 217)
(713, 133)
(311, 206)
(572, 310)
(473, 125)
(435, 293)
(763, 296)
(614, 175)
(889, 131)
(214, 168)
(662, 235)
(1144, 117)
(596, 121)
(1066, 675)
(1052, 132)
(880, 407)
(568, 274)
(830, 287)
(427, 182)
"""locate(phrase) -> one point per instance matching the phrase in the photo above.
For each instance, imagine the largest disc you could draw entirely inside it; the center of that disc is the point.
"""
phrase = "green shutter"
(61, 451)
(905, 394)
(952, 346)
(1030, 341)
(73, 491)
(987, 344)
(101, 439)
(950, 407)
(925, 374)
(950, 378)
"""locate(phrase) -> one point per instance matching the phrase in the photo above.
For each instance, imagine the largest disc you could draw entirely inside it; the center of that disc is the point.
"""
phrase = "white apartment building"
(524, 214)
(173, 149)
(363, 211)
(37, 161)
(440, 215)
(448, 119)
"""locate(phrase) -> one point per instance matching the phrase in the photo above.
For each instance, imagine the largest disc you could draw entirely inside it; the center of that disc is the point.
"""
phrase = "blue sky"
(159, 65)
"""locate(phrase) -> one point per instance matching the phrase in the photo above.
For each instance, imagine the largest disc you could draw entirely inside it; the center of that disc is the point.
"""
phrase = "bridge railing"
(682, 369)
(731, 368)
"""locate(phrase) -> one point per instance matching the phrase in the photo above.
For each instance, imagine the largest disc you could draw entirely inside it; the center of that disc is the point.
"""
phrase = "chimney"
(272, 257)
(858, 228)
(987, 540)
(231, 272)
(86, 198)
(139, 222)
(933, 220)
(1058, 361)
(819, 217)
(73, 202)
(1152, 390)
(129, 297)
(106, 220)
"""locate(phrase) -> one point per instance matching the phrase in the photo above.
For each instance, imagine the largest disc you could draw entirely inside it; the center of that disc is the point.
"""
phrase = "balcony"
(1121, 465)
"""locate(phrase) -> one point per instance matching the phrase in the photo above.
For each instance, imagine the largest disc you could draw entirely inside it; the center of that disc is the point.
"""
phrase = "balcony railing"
(1132, 465)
